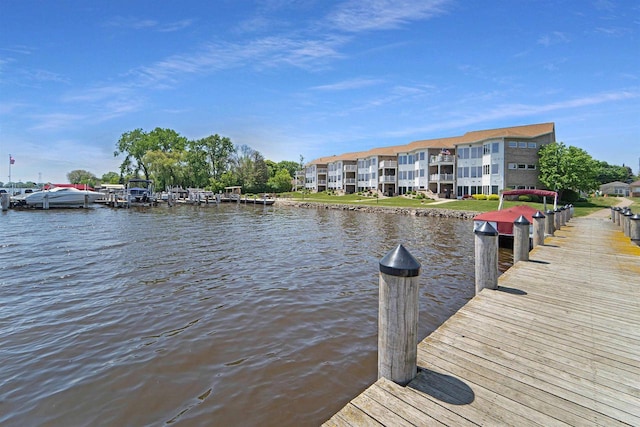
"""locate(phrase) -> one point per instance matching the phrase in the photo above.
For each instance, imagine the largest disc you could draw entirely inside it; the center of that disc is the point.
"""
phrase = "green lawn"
(581, 208)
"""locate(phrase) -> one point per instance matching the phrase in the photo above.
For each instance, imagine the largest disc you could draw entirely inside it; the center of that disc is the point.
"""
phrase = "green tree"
(166, 166)
(280, 182)
(80, 176)
(567, 168)
(610, 173)
(135, 144)
(110, 178)
(250, 170)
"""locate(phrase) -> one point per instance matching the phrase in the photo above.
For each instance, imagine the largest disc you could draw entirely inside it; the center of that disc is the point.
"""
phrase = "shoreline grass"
(581, 208)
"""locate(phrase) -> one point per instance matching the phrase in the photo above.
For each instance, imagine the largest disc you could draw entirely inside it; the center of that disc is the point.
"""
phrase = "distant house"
(635, 189)
(615, 188)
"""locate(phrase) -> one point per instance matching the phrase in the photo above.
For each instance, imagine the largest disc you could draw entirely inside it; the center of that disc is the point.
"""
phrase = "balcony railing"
(388, 164)
(351, 168)
(322, 182)
(441, 177)
(387, 178)
(442, 158)
(322, 170)
(351, 181)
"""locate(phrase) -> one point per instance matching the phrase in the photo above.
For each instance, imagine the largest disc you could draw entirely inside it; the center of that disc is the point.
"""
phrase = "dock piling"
(398, 316)
(5, 201)
(549, 227)
(626, 222)
(557, 219)
(486, 254)
(538, 228)
(634, 228)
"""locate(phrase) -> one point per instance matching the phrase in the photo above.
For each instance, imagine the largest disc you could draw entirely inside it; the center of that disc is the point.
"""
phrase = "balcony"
(351, 168)
(350, 181)
(442, 158)
(387, 178)
(388, 164)
(443, 177)
(322, 171)
(322, 182)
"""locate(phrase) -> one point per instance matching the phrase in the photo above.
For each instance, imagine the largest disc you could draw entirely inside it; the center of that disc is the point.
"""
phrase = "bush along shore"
(429, 212)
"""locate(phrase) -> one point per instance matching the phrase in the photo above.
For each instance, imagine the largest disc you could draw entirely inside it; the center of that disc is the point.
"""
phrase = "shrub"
(493, 197)
(479, 197)
(524, 198)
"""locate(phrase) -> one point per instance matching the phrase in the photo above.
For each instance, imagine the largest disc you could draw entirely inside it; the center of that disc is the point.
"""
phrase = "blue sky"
(310, 77)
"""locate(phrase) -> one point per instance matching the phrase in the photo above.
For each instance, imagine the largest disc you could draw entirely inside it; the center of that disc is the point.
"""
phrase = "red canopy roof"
(503, 219)
(542, 193)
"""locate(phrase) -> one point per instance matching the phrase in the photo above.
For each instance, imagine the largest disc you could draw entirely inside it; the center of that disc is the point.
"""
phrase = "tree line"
(213, 162)
(572, 170)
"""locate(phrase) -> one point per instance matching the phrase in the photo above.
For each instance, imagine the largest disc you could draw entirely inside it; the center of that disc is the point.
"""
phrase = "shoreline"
(426, 212)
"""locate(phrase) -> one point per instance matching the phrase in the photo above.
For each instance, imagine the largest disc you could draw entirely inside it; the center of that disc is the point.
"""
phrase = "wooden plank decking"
(557, 344)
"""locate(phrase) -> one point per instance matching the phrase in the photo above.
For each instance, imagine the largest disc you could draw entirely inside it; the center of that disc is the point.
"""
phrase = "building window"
(485, 169)
(531, 167)
(513, 166)
(495, 147)
(373, 161)
(522, 166)
(476, 152)
(532, 145)
(464, 153)
(522, 145)
(486, 149)
(494, 169)
(513, 144)
(422, 155)
(494, 189)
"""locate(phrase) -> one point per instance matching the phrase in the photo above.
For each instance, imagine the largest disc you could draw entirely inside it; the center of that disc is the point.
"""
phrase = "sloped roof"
(524, 131)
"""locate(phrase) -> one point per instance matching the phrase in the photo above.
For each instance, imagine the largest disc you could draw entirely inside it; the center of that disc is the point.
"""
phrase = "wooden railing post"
(538, 228)
(486, 252)
(398, 316)
(521, 239)
(549, 227)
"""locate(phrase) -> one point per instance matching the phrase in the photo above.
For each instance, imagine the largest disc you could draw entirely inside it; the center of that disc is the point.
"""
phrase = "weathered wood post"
(538, 228)
(567, 214)
(398, 316)
(521, 239)
(626, 222)
(5, 201)
(563, 216)
(549, 227)
(613, 214)
(618, 215)
(486, 252)
(634, 228)
(557, 220)
(45, 200)
(86, 201)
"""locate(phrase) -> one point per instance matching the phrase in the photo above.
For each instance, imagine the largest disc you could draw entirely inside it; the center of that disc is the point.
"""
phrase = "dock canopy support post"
(521, 239)
(486, 253)
(538, 229)
(398, 316)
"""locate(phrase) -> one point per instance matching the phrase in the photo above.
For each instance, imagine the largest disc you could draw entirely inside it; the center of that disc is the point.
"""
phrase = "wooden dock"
(557, 344)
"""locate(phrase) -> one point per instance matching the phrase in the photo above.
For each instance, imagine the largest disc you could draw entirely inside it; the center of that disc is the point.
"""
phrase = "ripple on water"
(187, 315)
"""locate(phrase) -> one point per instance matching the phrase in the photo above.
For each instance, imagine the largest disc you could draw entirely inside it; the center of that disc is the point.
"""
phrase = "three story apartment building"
(478, 162)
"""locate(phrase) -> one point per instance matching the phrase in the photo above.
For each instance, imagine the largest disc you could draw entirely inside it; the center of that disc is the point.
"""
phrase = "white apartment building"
(479, 162)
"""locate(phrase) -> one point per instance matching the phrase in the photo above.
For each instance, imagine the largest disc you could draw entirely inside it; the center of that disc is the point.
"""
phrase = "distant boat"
(60, 197)
(139, 192)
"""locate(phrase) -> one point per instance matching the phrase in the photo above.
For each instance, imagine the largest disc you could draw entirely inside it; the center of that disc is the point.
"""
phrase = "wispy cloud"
(55, 121)
(357, 15)
(509, 111)
(147, 24)
(555, 37)
(349, 84)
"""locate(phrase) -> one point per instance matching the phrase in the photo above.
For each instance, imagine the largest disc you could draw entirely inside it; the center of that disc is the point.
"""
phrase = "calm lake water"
(205, 316)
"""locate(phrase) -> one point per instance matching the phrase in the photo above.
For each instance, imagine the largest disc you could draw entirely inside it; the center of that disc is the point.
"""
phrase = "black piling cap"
(521, 221)
(617, 208)
(628, 213)
(635, 217)
(486, 229)
(400, 263)
(557, 210)
(538, 215)
(550, 212)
